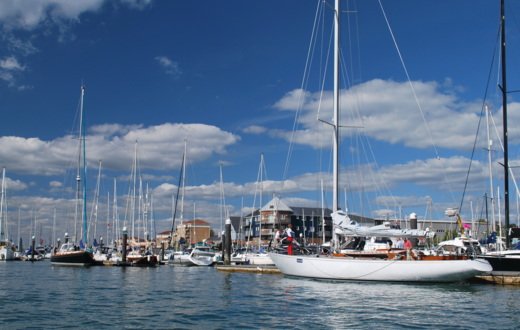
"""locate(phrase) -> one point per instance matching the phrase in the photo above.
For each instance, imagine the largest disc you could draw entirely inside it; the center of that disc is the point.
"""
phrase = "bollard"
(413, 225)
(162, 250)
(33, 243)
(227, 243)
(125, 238)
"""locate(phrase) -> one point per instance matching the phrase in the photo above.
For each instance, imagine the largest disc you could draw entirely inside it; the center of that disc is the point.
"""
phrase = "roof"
(276, 205)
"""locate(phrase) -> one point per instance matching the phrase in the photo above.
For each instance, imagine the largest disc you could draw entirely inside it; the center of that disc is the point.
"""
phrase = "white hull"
(6, 253)
(202, 261)
(253, 259)
(195, 258)
(341, 268)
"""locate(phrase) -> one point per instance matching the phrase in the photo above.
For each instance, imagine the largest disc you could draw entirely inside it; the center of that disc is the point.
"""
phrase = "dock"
(505, 278)
(265, 269)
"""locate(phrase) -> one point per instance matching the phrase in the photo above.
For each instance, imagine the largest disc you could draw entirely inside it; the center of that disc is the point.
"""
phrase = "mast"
(115, 220)
(491, 186)
(503, 88)
(335, 157)
(83, 162)
(134, 178)
(222, 201)
(176, 197)
(78, 172)
(2, 198)
(183, 186)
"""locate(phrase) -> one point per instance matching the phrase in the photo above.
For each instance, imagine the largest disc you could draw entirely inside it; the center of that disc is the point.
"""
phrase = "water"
(40, 296)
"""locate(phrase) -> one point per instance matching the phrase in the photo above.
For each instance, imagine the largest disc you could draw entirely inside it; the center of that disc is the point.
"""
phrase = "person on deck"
(290, 237)
(408, 246)
(277, 238)
(399, 244)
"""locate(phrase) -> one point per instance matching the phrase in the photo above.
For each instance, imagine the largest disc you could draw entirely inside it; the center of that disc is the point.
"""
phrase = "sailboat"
(260, 256)
(393, 268)
(505, 263)
(70, 254)
(6, 247)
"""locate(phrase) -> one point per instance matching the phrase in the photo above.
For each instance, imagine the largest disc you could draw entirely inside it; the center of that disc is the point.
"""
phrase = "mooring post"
(227, 243)
(33, 243)
(162, 250)
(125, 238)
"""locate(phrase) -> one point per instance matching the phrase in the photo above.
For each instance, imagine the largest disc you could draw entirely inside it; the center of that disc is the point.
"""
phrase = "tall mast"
(491, 186)
(183, 177)
(335, 157)
(78, 173)
(84, 236)
(504, 116)
(2, 198)
(133, 191)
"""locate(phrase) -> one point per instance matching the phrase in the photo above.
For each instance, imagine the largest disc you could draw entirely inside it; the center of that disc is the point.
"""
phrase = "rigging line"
(415, 96)
(302, 94)
(502, 148)
(409, 80)
(478, 127)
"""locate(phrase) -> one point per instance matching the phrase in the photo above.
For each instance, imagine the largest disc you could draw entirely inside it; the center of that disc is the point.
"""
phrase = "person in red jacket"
(290, 238)
(408, 247)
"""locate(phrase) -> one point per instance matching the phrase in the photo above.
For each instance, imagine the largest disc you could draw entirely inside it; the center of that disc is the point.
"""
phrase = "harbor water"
(41, 296)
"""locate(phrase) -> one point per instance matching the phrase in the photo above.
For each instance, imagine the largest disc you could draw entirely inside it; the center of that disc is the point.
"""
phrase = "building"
(191, 232)
(309, 224)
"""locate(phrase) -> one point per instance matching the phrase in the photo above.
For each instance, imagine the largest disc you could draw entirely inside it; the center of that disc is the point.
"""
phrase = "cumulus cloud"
(159, 147)
(14, 184)
(9, 68)
(385, 110)
(11, 64)
(28, 15)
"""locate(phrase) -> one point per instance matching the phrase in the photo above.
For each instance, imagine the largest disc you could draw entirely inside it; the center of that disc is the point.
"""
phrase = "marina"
(387, 204)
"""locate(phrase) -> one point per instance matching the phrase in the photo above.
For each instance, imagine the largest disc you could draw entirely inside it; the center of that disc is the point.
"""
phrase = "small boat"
(251, 258)
(6, 251)
(71, 255)
(202, 256)
(138, 259)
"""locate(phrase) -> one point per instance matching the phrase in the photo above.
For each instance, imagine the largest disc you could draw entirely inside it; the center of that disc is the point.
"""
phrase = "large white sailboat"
(426, 268)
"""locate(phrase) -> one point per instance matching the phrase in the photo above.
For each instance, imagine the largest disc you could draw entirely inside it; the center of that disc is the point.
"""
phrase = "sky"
(239, 81)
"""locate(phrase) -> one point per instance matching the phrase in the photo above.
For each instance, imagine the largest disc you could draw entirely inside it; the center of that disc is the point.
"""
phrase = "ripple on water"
(41, 296)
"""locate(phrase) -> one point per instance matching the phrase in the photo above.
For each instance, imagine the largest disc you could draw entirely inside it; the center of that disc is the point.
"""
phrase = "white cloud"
(14, 185)
(385, 111)
(9, 68)
(11, 64)
(160, 147)
(255, 129)
(55, 184)
(42, 17)
(170, 67)
(30, 14)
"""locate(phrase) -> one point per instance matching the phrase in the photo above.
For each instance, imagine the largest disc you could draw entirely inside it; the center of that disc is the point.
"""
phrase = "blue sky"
(227, 77)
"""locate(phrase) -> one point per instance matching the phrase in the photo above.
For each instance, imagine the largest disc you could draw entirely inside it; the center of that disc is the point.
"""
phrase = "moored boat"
(390, 268)
(71, 255)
